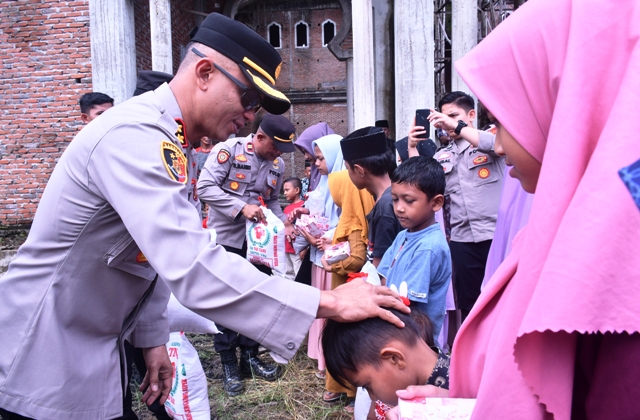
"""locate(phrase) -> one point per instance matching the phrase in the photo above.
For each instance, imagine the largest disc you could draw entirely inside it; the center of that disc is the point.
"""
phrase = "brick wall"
(45, 55)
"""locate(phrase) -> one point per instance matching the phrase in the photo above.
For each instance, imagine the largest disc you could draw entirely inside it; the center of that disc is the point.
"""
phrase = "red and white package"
(436, 408)
(337, 252)
(315, 225)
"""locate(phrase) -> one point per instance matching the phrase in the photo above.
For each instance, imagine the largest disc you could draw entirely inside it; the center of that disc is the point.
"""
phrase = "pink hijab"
(563, 77)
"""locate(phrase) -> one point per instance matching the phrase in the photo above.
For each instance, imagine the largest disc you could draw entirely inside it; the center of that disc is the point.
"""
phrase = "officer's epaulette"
(181, 133)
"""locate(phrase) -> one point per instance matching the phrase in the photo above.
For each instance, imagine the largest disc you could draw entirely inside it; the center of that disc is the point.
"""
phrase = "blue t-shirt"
(422, 260)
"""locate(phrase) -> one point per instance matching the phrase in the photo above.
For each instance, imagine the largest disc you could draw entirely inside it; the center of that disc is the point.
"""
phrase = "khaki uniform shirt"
(474, 184)
(233, 176)
(115, 216)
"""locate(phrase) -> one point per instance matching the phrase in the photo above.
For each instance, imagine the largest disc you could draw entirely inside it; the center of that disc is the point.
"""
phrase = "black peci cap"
(258, 60)
(365, 142)
(281, 131)
(382, 123)
(150, 80)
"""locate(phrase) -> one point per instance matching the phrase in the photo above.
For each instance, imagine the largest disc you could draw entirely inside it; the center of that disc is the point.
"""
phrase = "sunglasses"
(250, 98)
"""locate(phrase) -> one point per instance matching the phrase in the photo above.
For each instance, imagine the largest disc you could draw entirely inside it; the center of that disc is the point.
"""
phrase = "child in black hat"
(369, 163)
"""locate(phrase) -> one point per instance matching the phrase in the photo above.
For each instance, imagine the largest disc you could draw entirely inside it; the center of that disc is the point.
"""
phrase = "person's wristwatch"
(461, 125)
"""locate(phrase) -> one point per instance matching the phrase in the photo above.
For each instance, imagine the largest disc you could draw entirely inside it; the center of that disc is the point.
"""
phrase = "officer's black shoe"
(232, 382)
(251, 365)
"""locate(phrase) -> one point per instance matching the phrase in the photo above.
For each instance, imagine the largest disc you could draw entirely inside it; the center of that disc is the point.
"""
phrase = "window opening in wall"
(302, 35)
(274, 33)
(328, 32)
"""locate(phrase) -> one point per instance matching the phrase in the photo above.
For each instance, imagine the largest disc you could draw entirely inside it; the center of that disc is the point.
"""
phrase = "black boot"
(251, 365)
(232, 383)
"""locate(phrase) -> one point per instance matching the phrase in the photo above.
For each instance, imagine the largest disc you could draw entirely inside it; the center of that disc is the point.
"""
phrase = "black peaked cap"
(259, 61)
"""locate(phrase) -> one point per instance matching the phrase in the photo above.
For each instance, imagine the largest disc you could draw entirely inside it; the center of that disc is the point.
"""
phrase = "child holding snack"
(419, 258)
(352, 229)
(383, 358)
(292, 188)
(327, 158)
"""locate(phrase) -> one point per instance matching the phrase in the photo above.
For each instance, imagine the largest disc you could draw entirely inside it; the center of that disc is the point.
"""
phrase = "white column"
(350, 107)
(113, 48)
(384, 83)
(363, 64)
(464, 36)
(161, 53)
(414, 61)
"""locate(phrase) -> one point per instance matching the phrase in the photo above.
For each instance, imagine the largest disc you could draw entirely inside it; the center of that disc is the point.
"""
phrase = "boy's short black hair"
(307, 163)
(422, 172)
(458, 98)
(89, 100)
(295, 181)
(349, 346)
(376, 165)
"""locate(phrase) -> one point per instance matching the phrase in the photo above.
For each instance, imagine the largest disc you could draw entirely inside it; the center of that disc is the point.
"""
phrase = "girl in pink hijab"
(554, 335)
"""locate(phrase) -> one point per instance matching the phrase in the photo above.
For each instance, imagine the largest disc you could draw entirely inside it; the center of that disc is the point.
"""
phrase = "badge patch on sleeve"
(480, 160)
(175, 161)
(223, 156)
(484, 173)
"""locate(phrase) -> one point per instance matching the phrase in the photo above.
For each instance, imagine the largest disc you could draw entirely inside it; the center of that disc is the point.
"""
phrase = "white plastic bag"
(189, 396)
(372, 273)
(265, 243)
(183, 319)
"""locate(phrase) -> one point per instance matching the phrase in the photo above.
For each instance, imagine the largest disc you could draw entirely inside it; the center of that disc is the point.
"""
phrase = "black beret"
(382, 123)
(365, 142)
(259, 61)
(150, 80)
(425, 147)
(280, 130)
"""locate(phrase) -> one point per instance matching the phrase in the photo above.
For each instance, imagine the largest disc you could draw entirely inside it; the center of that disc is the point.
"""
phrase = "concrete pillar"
(464, 36)
(350, 106)
(364, 99)
(383, 59)
(161, 53)
(113, 48)
(414, 61)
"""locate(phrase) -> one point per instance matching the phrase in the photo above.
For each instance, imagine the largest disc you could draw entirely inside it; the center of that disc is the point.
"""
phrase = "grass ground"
(297, 395)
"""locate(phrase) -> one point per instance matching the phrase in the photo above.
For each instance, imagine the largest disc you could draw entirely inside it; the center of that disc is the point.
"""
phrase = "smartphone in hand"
(422, 119)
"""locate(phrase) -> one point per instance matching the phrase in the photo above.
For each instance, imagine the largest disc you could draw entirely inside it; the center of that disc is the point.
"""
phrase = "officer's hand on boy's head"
(358, 300)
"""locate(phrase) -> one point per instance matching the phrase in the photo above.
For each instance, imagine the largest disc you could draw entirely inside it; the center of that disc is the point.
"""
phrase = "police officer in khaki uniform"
(238, 173)
(115, 232)
(473, 172)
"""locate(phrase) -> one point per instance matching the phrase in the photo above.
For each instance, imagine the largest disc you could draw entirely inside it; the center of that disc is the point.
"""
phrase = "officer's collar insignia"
(444, 156)
(241, 158)
(484, 173)
(223, 156)
(248, 147)
(175, 161)
(181, 133)
(480, 159)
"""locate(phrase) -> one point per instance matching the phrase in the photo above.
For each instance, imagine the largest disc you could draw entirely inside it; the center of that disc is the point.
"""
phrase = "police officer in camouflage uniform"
(236, 175)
